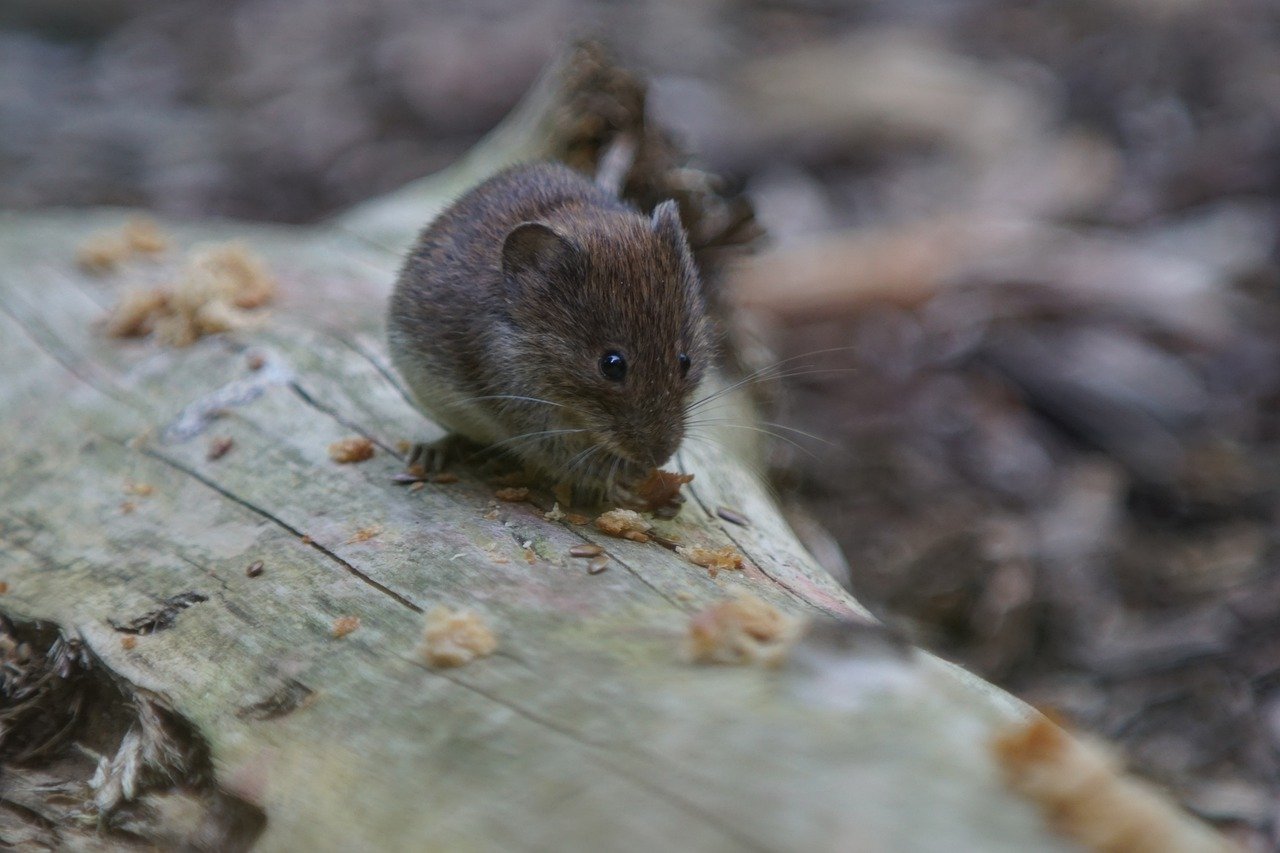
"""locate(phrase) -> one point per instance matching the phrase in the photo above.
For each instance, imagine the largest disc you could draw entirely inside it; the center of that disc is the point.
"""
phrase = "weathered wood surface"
(587, 730)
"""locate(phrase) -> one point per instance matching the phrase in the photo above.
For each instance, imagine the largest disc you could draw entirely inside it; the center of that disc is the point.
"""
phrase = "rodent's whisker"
(776, 435)
(578, 459)
(763, 375)
(754, 469)
(514, 397)
(536, 435)
(784, 427)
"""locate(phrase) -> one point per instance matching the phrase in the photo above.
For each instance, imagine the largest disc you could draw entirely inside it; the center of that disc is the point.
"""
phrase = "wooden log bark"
(252, 724)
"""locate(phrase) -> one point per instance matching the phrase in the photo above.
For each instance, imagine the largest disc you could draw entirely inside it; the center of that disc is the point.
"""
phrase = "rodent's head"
(610, 324)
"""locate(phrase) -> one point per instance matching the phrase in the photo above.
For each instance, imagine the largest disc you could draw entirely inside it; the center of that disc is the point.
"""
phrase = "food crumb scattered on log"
(364, 534)
(661, 489)
(219, 447)
(216, 285)
(714, 560)
(586, 550)
(624, 524)
(742, 630)
(254, 569)
(1085, 794)
(344, 625)
(455, 637)
(512, 494)
(350, 450)
(128, 642)
(105, 251)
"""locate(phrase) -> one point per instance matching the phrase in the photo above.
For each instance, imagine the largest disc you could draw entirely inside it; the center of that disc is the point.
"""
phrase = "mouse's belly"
(436, 393)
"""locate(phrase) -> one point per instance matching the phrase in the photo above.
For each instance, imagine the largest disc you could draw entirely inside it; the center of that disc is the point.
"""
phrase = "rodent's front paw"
(624, 494)
(433, 457)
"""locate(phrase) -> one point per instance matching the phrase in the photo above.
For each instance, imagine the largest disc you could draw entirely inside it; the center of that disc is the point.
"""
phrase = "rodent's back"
(462, 247)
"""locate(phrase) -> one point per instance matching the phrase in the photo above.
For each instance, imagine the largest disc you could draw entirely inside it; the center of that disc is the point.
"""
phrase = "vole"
(543, 316)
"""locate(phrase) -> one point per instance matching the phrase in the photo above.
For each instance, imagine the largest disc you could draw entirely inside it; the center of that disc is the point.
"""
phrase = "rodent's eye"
(685, 364)
(613, 366)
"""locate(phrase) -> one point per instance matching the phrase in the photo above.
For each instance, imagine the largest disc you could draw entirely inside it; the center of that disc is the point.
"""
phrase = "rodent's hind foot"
(433, 457)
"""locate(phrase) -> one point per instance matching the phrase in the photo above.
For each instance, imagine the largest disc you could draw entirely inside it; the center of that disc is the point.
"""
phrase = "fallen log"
(211, 629)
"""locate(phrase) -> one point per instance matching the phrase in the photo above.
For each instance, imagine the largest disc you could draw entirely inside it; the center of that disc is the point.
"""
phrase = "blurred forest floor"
(1038, 240)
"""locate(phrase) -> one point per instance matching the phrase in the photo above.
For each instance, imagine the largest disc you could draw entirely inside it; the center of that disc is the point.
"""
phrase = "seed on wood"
(218, 447)
(733, 516)
(598, 565)
(255, 569)
(586, 551)
(256, 361)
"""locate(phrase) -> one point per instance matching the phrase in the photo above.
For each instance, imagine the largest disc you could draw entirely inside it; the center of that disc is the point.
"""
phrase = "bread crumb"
(625, 524)
(142, 490)
(356, 448)
(306, 540)
(134, 316)
(661, 488)
(101, 254)
(344, 625)
(512, 494)
(1085, 794)
(255, 362)
(215, 286)
(364, 534)
(240, 275)
(455, 637)
(105, 251)
(714, 560)
(143, 236)
(554, 514)
(4, 587)
(127, 507)
(576, 518)
(128, 642)
(742, 630)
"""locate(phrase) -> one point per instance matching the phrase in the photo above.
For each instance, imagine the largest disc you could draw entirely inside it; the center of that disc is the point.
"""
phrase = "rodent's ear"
(534, 247)
(666, 224)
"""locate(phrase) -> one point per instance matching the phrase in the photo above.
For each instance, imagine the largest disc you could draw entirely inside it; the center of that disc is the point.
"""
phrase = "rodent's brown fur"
(488, 306)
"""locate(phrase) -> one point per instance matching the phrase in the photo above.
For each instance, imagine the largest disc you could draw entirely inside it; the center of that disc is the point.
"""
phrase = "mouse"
(544, 317)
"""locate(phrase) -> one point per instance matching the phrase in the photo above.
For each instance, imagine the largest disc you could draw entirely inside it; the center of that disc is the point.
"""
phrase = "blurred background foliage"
(1035, 243)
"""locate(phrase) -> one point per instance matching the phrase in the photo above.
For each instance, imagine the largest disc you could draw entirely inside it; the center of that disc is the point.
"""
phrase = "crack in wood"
(377, 365)
(289, 697)
(37, 333)
(163, 617)
(324, 409)
(635, 778)
(279, 522)
(759, 565)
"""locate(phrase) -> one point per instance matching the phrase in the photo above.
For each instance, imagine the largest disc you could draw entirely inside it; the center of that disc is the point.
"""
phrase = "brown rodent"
(543, 316)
